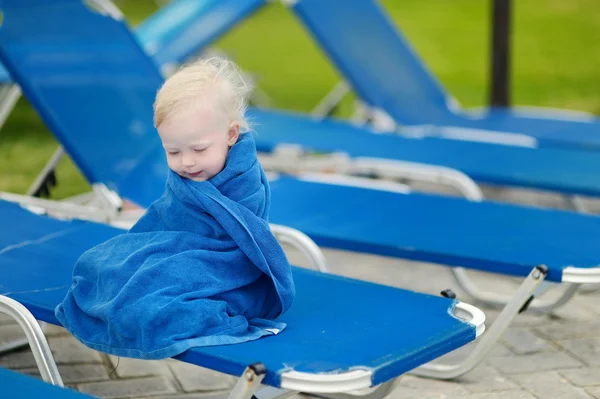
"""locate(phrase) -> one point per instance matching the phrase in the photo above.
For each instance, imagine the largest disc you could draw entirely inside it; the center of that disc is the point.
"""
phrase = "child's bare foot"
(130, 206)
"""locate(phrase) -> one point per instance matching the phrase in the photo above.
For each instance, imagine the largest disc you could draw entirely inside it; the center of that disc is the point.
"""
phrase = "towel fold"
(200, 268)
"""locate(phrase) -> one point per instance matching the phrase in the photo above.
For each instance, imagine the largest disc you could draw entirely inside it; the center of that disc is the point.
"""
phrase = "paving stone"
(12, 333)
(75, 374)
(526, 319)
(193, 378)
(536, 362)
(411, 387)
(207, 395)
(153, 386)
(67, 350)
(80, 373)
(458, 355)
(486, 379)
(594, 391)
(586, 349)
(6, 319)
(550, 385)
(21, 359)
(51, 330)
(513, 394)
(558, 331)
(582, 377)
(522, 341)
(12, 336)
(499, 350)
(127, 367)
(34, 372)
(579, 311)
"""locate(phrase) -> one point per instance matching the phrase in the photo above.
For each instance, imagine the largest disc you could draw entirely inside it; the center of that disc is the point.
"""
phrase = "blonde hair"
(192, 81)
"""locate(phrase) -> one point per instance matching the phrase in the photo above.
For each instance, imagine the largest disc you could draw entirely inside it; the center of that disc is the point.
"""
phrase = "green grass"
(555, 63)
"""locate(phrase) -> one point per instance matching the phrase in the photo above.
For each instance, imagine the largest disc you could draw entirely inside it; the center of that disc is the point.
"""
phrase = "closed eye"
(199, 149)
(172, 153)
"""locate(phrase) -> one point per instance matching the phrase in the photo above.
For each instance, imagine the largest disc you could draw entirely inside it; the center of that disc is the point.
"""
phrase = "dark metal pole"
(500, 60)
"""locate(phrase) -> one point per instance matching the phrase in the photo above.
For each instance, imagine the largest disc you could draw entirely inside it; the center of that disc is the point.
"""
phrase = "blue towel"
(200, 268)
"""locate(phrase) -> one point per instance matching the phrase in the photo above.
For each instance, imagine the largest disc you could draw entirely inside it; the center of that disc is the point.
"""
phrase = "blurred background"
(554, 62)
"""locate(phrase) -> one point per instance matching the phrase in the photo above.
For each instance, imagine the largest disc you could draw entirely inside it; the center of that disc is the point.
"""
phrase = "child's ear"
(233, 134)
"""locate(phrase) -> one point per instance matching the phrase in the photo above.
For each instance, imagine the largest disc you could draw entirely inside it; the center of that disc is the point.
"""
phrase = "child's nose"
(187, 160)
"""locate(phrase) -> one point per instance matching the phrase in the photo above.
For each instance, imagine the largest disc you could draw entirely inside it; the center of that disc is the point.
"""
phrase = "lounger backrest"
(374, 57)
(93, 86)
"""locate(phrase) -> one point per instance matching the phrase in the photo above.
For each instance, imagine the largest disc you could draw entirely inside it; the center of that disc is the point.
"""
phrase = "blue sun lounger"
(552, 169)
(387, 74)
(116, 148)
(342, 334)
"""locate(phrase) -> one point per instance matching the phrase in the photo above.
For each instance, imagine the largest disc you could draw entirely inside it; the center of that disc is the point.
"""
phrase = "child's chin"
(202, 177)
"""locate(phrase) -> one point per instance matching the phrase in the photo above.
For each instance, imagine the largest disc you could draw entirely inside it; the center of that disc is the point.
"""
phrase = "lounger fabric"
(554, 169)
(372, 54)
(335, 324)
(489, 236)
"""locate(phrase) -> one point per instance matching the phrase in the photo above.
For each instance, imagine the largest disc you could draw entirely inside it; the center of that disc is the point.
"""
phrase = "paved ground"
(546, 357)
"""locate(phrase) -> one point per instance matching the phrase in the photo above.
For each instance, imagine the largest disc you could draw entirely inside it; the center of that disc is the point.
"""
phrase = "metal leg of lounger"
(381, 121)
(418, 172)
(96, 212)
(293, 160)
(42, 179)
(274, 393)
(363, 114)
(494, 299)
(9, 95)
(519, 302)
(249, 382)
(35, 337)
(578, 205)
(589, 288)
(328, 104)
(302, 242)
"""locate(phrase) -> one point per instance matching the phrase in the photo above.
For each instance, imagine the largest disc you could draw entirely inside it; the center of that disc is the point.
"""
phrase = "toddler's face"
(197, 140)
